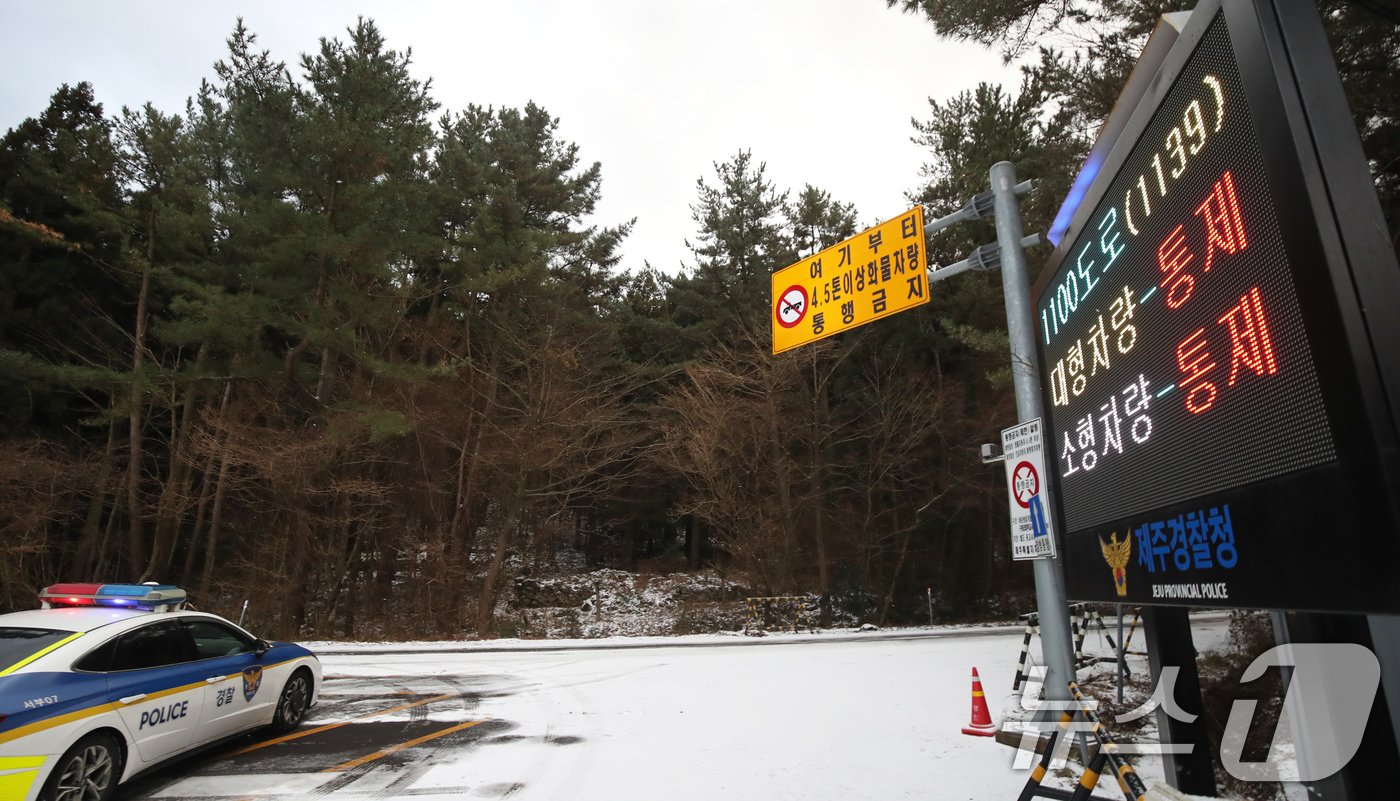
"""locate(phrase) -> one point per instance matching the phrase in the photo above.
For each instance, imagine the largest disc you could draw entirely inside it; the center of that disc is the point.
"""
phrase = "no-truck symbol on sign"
(792, 306)
(1025, 484)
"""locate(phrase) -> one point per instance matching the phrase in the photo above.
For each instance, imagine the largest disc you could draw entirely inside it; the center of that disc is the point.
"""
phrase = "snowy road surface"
(809, 717)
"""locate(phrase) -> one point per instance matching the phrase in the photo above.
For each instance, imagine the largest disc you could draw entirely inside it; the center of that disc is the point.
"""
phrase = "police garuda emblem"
(1117, 555)
(252, 680)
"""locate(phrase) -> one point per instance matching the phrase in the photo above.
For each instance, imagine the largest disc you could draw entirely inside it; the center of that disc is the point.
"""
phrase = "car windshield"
(17, 645)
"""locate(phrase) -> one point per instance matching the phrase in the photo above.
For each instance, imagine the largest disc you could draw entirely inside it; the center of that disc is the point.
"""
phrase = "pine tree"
(818, 222)
(171, 230)
(61, 267)
(742, 239)
(525, 293)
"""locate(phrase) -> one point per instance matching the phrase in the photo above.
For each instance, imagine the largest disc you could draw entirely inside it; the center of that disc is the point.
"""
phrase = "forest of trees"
(316, 341)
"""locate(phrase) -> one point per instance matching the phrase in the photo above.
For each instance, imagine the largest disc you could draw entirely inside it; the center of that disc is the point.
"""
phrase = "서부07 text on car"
(109, 680)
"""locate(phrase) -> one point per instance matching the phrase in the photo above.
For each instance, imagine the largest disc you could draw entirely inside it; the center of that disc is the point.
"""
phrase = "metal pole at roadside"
(1009, 255)
(1055, 644)
(1122, 654)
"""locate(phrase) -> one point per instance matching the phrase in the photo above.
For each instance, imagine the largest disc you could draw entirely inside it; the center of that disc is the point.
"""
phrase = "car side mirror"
(261, 647)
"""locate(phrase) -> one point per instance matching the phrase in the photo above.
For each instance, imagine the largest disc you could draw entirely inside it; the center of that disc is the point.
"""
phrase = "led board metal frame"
(1217, 338)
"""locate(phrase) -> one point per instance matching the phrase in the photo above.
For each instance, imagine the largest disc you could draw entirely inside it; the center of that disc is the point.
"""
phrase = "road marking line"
(394, 749)
(327, 727)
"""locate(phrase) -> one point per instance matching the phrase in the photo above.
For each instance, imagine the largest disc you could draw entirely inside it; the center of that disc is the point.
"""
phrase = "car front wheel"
(291, 707)
(87, 772)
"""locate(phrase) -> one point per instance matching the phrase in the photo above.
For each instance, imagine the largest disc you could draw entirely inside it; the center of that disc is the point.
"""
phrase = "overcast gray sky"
(656, 90)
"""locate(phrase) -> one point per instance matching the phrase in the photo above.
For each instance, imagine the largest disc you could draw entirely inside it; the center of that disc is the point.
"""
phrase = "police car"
(109, 680)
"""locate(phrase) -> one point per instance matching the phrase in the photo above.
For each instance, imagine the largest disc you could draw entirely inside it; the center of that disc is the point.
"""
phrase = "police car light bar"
(151, 597)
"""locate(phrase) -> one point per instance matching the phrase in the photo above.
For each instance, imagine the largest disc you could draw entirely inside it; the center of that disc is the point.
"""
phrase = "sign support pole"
(1058, 651)
(1167, 631)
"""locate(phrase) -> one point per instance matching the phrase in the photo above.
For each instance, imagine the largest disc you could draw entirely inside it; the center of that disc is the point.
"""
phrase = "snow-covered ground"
(828, 716)
(877, 719)
(832, 715)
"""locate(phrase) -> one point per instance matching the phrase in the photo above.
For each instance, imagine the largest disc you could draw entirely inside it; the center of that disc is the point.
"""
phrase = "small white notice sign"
(1031, 534)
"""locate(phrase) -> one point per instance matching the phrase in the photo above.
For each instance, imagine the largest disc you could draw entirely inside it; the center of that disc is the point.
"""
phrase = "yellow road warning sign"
(876, 273)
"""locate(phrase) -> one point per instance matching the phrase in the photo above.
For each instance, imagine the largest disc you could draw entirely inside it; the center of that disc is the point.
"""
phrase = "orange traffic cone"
(981, 724)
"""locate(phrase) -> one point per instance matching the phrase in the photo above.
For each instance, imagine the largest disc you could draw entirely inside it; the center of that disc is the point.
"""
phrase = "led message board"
(1204, 412)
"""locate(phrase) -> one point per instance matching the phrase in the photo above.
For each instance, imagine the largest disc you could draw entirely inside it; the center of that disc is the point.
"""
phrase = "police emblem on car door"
(252, 679)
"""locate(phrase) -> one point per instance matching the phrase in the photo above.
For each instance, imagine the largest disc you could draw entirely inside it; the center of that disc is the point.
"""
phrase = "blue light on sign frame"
(1087, 173)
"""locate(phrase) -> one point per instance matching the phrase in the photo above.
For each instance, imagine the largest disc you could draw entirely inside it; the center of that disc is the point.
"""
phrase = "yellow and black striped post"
(1079, 628)
(1087, 782)
(1089, 779)
(1086, 619)
(1033, 788)
(1128, 780)
(1132, 627)
(1032, 628)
